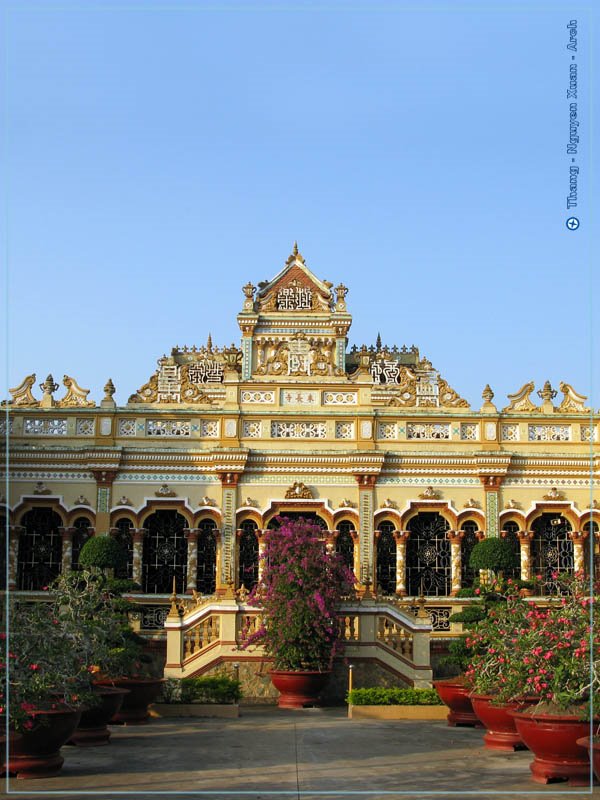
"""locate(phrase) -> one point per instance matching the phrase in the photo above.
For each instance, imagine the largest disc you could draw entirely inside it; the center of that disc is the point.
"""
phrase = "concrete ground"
(313, 753)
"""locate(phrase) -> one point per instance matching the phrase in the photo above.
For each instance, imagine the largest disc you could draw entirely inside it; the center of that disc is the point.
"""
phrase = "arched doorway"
(248, 555)
(386, 558)
(551, 549)
(164, 553)
(428, 563)
(40, 549)
(344, 543)
(206, 573)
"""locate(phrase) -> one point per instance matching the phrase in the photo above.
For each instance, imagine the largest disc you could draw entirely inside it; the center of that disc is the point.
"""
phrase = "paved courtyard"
(308, 754)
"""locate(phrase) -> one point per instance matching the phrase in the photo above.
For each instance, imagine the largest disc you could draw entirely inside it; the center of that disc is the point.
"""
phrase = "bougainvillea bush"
(522, 648)
(299, 593)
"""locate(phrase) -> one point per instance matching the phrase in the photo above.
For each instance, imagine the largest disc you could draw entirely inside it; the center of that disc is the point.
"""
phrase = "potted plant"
(493, 671)
(560, 651)
(454, 691)
(132, 668)
(83, 603)
(299, 593)
(48, 681)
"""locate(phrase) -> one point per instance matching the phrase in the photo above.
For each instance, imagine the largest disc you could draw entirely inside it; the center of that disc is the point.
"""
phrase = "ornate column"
(191, 535)
(491, 485)
(455, 561)
(578, 538)
(401, 537)
(356, 556)
(261, 550)
(226, 563)
(15, 532)
(366, 488)
(137, 535)
(525, 538)
(67, 548)
(104, 481)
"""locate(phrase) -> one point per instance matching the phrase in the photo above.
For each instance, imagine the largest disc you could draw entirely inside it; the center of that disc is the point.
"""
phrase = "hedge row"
(378, 696)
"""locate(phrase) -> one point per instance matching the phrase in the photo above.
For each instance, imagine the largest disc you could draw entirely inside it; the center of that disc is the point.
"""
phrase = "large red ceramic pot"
(455, 695)
(552, 738)
(35, 752)
(593, 748)
(298, 689)
(501, 733)
(93, 727)
(142, 692)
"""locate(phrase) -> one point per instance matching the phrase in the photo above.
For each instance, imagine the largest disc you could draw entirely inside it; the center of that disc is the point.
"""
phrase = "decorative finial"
(487, 394)
(109, 388)
(209, 343)
(48, 388)
(547, 393)
(378, 342)
(295, 250)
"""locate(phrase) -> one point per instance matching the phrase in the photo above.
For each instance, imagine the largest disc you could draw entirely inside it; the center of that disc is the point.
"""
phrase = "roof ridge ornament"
(21, 394)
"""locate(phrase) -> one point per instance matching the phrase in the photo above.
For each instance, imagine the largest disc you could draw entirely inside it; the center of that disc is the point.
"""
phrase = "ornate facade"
(373, 443)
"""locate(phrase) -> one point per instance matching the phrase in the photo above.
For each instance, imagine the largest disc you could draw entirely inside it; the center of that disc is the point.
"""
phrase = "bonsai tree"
(299, 593)
(493, 554)
(102, 552)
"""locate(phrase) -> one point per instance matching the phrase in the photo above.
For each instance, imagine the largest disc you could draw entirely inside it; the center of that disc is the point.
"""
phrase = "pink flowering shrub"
(299, 594)
(522, 649)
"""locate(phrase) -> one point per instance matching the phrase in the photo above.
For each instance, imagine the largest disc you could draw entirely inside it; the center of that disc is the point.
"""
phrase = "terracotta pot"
(593, 748)
(501, 733)
(552, 738)
(35, 753)
(298, 688)
(93, 726)
(455, 695)
(142, 692)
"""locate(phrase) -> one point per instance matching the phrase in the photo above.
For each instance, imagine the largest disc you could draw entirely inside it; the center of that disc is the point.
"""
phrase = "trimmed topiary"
(102, 552)
(495, 554)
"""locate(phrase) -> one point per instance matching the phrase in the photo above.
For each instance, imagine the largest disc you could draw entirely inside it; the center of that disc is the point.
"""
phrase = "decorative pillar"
(15, 532)
(366, 488)
(104, 481)
(67, 548)
(226, 563)
(578, 538)
(137, 535)
(261, 552)
(401, 537)
(356, 557)
(491, 485)
(525, 538)
(455, 561)
(330, 538)
(191, 535)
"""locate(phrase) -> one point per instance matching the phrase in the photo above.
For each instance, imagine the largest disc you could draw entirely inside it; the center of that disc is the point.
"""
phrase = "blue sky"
(157, 156)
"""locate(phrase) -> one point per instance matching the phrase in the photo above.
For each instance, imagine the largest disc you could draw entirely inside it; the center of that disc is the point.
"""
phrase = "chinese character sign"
(294, 298)
(206, 371)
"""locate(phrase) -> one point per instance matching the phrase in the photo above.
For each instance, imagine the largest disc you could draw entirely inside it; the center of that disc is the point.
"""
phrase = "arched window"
(592, 549)
(207, 557)
(551, 549)
(80, 536)
(124, 536)
(295, 516)
(40, 549)
(428, 563)
(511, 534)
(386, 558)
(248, 555)
(165, 553)
(467, 543)
(344, 544)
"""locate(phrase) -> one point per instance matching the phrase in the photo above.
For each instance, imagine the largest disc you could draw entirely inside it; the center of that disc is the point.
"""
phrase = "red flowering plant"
(552, 652)
(299, 593)
(41, 667)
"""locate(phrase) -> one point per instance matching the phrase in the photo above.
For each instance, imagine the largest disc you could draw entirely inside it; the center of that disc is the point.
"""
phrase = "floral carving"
(520, 401)
(75, 396)
(298, 491)
(22, 395)
(572, 400)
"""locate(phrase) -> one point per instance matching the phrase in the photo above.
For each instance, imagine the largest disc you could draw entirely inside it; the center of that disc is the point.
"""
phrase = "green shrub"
(210, 689)
(380, 696)
(102, 552)
(495, 554)
(469, 615)
(466, 591)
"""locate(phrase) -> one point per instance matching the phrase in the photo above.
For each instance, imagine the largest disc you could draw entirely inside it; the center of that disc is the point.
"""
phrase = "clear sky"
(157, 156)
